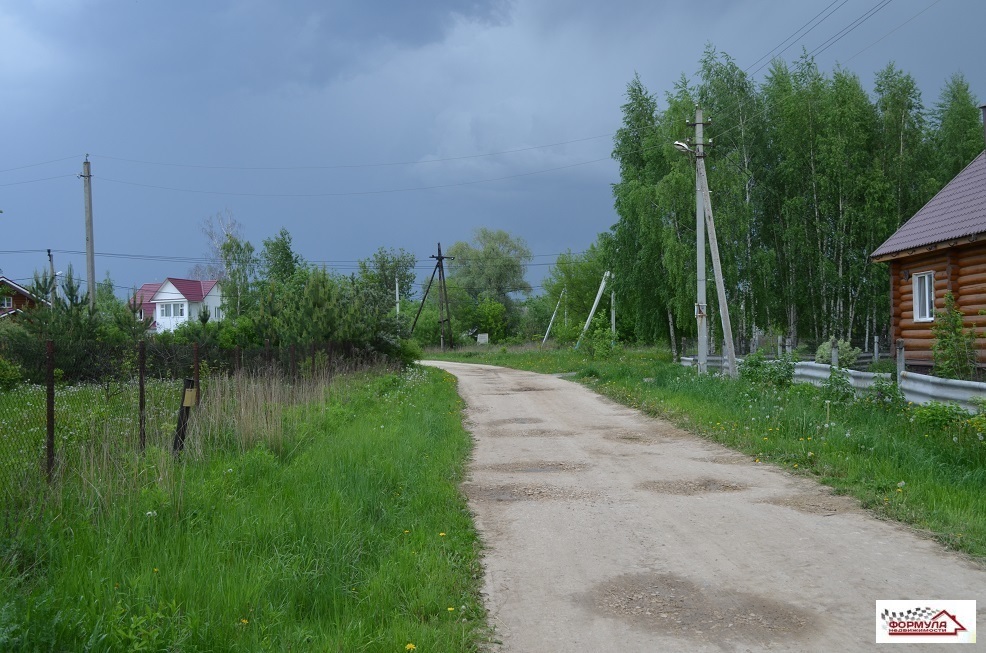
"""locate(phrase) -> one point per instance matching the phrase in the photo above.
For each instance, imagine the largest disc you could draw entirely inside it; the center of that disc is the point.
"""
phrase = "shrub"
(885, 394)
(837, 387)
(10, 374)
(847, 353)
(757, 369)
(954, 347)
(940, 416)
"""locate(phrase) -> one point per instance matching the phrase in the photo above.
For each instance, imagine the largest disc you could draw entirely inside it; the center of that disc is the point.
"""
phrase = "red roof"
(144, 295)
(192, 290)
(958, 211)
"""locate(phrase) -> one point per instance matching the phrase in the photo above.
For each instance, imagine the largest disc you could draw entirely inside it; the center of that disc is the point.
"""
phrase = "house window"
(179, 310)
(6, 302)
(140, 314)
(165, 310)
(218, 313)
(924, 296)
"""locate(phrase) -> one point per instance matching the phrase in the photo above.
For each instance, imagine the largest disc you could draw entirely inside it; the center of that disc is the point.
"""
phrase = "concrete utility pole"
(90, 250)
(595, 305)
(727, 327)
(397, 293)
(552, 320)
(700, 300)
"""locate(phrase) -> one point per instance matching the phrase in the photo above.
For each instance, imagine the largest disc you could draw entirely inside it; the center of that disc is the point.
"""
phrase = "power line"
(795, 34)
(849, 28)
(384, 191)
(34, 181)
(892, 31)
(345, 166)
(43, 163)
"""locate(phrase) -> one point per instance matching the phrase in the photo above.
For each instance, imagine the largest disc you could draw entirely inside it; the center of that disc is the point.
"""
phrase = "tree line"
(809, 173)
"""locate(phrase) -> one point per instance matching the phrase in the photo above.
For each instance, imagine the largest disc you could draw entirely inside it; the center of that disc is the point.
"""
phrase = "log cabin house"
(14, 298)
(941, 248)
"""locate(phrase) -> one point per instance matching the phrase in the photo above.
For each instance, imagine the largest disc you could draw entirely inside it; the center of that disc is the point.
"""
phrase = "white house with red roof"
(176, 301)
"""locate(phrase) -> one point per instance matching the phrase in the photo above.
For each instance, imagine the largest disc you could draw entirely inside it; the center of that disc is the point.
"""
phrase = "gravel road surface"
(607, 530)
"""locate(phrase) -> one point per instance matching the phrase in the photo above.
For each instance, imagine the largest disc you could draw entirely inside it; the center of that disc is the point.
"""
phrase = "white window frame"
(7, 301)
(923, 293)
(180, 310)
(165, 310)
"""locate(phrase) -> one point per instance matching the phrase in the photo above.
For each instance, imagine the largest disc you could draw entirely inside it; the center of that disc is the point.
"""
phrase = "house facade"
(175, 301)
(942, 248)
(14, 298)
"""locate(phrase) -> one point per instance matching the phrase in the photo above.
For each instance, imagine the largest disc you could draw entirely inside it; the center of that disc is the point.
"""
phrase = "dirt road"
(607, 530)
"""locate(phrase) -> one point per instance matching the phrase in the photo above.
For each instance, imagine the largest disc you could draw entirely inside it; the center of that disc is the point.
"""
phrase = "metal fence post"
(187, 401)
(141, 397)
(835, 352)
(900, 360)
(50, 410)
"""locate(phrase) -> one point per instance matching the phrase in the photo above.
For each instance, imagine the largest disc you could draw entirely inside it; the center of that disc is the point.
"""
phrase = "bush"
(757, 369)
(10, 375)
(954, 347)
(838, 387)
(847, 353)
(885, 394)
(940, 416)
(407, 352)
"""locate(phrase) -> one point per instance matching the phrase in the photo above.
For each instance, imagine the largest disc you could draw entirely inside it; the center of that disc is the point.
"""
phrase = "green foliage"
(491, 318)
(11, 375)
(757, 369)
(847, 353)
(940, 416)
(954, 347)
(838, 387)
(598, 341)
(886, 394)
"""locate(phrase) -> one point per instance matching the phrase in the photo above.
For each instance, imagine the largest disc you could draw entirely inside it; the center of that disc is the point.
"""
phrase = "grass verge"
(903, 462)
(345, 533)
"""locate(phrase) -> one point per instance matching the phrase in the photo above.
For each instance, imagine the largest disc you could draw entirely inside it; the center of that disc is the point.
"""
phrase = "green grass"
(345, 531)
(899, 462)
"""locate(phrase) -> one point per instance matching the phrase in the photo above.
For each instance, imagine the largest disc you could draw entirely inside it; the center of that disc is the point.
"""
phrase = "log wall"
(960, 269)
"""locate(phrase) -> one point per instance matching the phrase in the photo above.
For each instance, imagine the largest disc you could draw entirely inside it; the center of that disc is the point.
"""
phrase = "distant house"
(14, 298)
(176, 301)
(941, 248)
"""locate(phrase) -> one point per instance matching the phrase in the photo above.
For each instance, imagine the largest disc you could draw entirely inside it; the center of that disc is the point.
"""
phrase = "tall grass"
(900, 461)
(323, 516)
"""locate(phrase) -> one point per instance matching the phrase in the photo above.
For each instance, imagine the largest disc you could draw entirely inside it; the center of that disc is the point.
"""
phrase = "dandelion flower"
(410, 647)
(155, 570)
(451, 609)
(244, 621)
(441, 535)
(901, 484)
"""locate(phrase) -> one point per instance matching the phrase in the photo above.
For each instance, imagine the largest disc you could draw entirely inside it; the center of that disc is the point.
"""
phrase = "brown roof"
(957, 212)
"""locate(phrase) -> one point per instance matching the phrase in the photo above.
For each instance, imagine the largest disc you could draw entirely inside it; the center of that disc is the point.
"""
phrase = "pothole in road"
(687, 487)
(530, 388)
(535, 466)
(524, 493)
(817, 504)
(632, 437)
(516, 420)
(675, 606)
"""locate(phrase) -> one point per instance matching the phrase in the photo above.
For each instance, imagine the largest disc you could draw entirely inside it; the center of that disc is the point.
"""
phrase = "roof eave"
(930, 247)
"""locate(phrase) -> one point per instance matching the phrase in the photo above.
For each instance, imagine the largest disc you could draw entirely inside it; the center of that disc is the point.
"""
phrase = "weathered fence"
(131, 398)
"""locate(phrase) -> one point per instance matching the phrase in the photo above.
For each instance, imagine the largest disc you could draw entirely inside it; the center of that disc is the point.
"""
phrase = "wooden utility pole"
(444, 312)
(90, 251)
(54, 279)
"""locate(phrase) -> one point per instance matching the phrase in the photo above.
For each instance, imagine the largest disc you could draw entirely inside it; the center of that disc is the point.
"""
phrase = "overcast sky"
(361, 124)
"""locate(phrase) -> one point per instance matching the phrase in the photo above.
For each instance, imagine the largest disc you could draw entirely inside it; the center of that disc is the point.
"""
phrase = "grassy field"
(922, 466)
(330, 521)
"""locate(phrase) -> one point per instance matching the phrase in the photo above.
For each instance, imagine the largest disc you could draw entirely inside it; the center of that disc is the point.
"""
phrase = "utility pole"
(727, 328)
(612, 312)
(595, 305)
(54, 279)
(90, 251)
(552, 320)
(444, 312)
(397, 292)
(700, 302)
